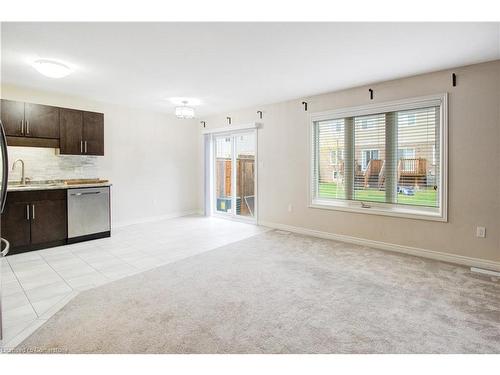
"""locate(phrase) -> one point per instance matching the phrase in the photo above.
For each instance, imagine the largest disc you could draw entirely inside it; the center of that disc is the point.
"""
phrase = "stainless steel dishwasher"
(88, 213)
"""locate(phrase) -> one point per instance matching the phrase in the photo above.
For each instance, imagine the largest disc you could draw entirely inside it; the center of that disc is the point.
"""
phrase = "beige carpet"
(284, 293)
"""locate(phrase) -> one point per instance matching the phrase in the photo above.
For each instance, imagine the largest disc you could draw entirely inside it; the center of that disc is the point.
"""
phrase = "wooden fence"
(245, 181)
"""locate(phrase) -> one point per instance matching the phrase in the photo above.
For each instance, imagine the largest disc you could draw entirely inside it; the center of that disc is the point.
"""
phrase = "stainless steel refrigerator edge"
(4, 165)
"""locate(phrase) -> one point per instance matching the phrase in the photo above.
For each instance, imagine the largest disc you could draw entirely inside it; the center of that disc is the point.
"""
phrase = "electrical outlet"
(481, 232)
(290, 207)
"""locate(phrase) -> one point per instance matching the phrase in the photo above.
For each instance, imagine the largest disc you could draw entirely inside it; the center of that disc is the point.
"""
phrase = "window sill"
(422, 213)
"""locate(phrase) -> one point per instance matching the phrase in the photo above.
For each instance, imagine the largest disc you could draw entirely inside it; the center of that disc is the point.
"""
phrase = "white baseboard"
(150, 219)
(485, 272)
(431, 254)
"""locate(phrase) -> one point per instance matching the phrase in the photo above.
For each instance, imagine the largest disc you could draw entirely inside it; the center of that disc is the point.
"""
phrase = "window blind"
(389, 158)
(330, 171)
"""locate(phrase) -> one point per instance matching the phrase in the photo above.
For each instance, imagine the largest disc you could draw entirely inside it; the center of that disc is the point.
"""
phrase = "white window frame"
(374, 208)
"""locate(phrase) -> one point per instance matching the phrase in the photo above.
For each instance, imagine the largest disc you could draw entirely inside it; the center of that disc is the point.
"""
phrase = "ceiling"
(234, 65)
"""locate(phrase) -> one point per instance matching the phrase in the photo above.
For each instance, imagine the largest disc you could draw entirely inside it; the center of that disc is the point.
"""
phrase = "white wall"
(474, 154)
(150, 158)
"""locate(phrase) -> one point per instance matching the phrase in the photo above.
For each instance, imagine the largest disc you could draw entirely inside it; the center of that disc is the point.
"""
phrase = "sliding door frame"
(251, 129)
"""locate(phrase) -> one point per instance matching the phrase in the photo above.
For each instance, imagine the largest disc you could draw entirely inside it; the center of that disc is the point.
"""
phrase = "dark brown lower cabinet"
(48, 221)
(16, 226)
(35, 219)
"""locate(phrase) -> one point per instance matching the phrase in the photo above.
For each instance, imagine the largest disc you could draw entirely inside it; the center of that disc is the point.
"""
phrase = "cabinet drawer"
(36, 195)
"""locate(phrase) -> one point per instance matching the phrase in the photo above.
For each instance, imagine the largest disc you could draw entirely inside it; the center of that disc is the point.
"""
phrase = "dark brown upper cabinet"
(75, 132)
(12, 114)
(29, 124)
(93, 133)
(42, 121)
(71, 132)
(82, 133)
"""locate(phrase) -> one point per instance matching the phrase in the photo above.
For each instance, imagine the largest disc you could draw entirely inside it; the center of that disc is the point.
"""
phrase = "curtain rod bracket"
(228, 120)
(260, 114)
(371, 94)
(305, 105)
(454, 79)
(203, 123)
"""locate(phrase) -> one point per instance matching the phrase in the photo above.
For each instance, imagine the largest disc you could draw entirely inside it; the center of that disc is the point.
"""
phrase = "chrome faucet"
(23, 177)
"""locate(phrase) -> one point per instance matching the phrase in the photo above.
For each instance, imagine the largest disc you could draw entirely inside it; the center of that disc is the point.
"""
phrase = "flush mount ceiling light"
(52, 68)
(184, 106)
(184, 111)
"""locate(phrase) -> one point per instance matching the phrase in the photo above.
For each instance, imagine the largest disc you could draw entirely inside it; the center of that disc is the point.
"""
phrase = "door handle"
(85, 146)
(81, 147)
(27, 127)
(33, 212)
(22, 127)
(5, 251)
(28, 212)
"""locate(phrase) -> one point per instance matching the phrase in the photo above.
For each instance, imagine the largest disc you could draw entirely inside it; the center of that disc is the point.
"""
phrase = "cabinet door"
(12, 114)
(93, 133)
(71, 127)
(41, 121)
(16, 225)
(48, 221)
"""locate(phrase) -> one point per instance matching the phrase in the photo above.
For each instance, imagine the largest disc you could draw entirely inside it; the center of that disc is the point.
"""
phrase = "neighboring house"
(416, 142)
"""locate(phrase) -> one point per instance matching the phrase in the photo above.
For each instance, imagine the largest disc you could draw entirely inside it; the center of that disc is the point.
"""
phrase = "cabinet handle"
(27, 127)
(22, 127)
(28, 212)
(33, 211)
(85, 146)
(81, 147)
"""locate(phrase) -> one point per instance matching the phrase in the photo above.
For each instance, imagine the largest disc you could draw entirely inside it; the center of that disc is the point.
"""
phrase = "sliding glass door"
(234, 174)
(223, 171)
(245, 174)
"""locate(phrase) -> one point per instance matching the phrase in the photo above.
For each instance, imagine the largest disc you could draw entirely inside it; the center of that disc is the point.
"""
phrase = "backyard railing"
(413, 167)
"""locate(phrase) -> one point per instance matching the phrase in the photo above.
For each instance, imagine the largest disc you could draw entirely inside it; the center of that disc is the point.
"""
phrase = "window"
(406, 153)
(336, 156)
(386, 159)
(368, 156)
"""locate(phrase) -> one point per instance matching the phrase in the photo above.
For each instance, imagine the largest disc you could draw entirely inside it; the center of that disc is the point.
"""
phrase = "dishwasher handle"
(85, 193)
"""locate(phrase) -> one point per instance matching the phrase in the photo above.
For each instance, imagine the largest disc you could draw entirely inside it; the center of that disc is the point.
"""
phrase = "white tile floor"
(37, 284)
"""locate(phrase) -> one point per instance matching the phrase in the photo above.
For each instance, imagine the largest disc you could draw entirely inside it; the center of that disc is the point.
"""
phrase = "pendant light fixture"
(184, 111)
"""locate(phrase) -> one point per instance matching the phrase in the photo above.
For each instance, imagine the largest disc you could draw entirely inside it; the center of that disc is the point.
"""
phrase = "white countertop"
(55, 186)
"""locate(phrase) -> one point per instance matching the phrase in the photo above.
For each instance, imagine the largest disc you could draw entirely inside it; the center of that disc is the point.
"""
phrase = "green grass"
(422, 197)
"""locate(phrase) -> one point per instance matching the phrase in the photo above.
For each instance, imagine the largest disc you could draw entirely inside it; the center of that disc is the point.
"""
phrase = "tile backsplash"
(48, 164)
